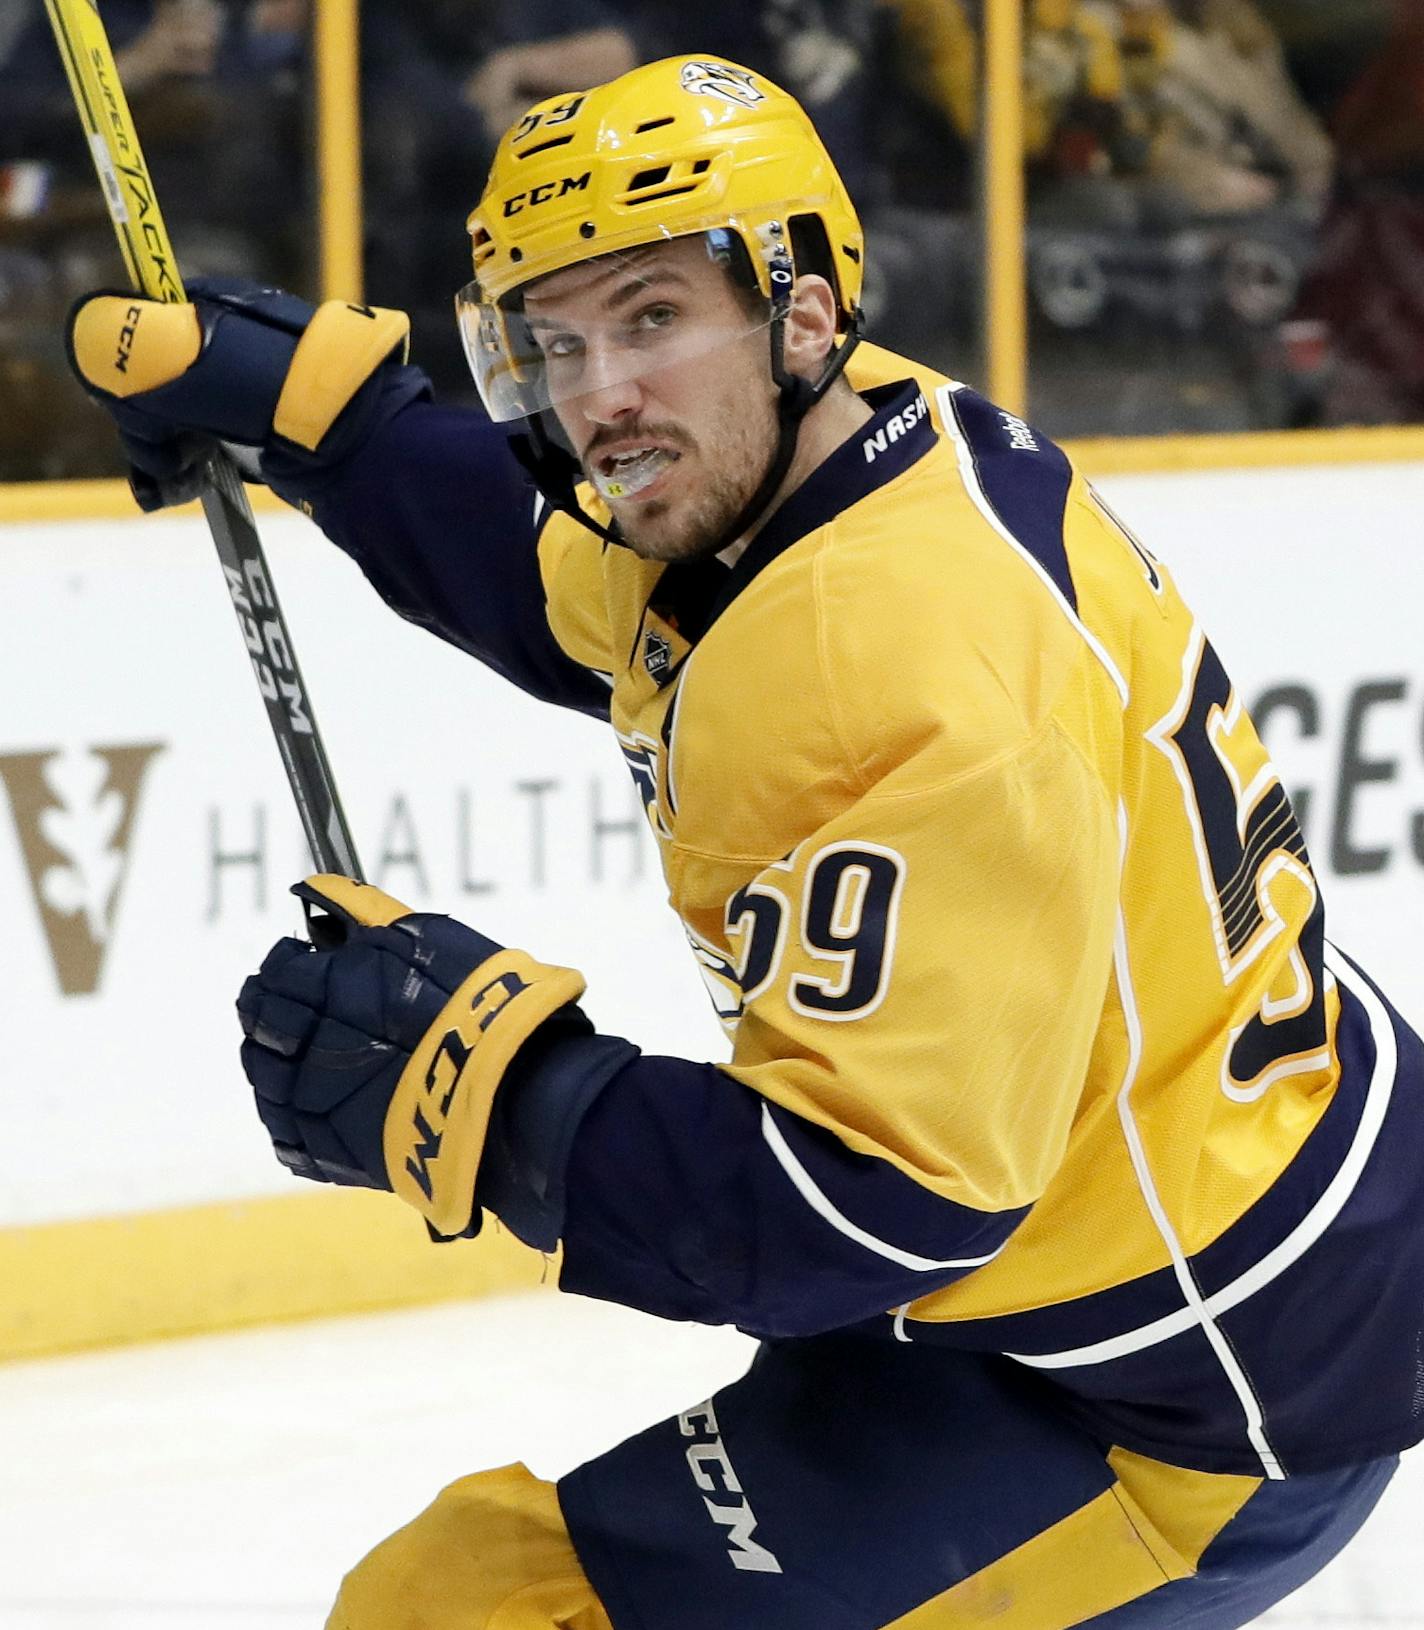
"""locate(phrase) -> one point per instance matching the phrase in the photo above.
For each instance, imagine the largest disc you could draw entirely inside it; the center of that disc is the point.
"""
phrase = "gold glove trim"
(435, 1127)
(342, 347)
(126, 345)
(370, 906)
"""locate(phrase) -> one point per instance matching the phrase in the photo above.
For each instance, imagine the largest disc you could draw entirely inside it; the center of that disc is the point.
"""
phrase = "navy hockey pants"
(841, 1486)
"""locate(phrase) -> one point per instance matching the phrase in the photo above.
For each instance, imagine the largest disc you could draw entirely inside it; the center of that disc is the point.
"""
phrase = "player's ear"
(810, 326)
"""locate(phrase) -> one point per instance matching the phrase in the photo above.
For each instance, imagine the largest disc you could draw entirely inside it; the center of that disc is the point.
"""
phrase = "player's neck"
(833, 420)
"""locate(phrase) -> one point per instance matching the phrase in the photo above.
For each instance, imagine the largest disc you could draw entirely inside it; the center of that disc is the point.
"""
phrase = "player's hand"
(376, 1052)
(243, 364)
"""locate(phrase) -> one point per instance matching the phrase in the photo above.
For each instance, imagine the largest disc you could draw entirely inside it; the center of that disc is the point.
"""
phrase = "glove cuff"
(434, 1130)
(341, 347)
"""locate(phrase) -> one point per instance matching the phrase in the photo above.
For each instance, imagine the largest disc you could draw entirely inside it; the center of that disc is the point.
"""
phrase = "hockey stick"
(148, 255)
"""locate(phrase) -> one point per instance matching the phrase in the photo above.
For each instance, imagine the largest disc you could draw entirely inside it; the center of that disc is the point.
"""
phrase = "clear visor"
(604, 322)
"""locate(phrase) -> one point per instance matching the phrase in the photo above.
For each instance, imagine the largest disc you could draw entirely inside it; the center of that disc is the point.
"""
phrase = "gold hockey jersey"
(993, 881)
(1038, 1047)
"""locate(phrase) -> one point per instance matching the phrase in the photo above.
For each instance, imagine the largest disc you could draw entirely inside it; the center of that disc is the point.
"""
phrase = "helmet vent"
(667, 192)
(665, 181)
(544, 146)
(653, 124)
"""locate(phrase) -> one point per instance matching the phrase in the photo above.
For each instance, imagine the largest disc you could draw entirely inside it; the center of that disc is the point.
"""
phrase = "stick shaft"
(148, 255)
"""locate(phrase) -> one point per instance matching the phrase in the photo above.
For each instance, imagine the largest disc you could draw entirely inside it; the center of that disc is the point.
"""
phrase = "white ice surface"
(226, 1483)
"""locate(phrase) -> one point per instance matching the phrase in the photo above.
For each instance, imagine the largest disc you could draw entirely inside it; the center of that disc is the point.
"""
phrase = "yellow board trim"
(28, 501)
(1274, 449)
(110, 1280)
(25, 502)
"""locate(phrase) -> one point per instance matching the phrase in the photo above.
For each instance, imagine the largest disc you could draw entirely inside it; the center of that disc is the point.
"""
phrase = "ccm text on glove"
(377, 1052)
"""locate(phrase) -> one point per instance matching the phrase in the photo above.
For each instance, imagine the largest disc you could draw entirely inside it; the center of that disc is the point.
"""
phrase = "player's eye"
(561, 346)
(653, 320)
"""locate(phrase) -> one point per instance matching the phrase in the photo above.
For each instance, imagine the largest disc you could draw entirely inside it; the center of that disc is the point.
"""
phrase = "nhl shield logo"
(721, 80)
(657, 658)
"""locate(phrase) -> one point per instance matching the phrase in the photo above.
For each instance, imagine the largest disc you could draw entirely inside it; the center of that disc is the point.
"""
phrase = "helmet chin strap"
(556, 472)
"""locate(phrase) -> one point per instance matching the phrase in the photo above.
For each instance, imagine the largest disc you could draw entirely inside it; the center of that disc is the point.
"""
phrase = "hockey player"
(1071, 1178)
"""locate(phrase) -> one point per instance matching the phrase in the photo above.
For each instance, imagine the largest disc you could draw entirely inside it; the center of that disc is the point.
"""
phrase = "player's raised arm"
(320, 403)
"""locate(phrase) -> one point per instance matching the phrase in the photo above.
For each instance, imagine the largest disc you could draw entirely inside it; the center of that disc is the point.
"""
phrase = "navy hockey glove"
(376, 1055)
(302, 386)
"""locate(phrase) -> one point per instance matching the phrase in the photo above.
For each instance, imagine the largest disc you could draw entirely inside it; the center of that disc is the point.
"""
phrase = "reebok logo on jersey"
(712, 1472)
(1021, 435)
(898, 425)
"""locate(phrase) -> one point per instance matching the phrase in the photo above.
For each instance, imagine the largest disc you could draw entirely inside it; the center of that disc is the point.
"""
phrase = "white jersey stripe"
(1306, 1232)
(1196, 1308)
(944, 396)
(814, 1197)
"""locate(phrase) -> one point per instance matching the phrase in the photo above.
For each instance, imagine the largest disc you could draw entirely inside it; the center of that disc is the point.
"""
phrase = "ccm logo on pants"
(712, 1472)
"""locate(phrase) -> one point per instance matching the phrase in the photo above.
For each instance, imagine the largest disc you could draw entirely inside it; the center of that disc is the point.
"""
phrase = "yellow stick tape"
(202, 1268)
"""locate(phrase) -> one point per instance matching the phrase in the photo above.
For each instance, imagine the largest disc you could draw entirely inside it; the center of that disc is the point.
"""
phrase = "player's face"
(663, 389)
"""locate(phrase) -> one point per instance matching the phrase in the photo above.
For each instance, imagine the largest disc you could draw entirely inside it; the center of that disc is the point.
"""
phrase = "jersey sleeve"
(445, 525)
(921, 982)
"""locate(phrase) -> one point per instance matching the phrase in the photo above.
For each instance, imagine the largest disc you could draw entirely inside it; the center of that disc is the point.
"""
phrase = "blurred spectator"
(440, 84)
(1356, 344)
(1232, 133)
(938, 56)
(889, 85)
(822, 51)
(218, 94)
(153, 40)
(1327, 43)
(1073, 88)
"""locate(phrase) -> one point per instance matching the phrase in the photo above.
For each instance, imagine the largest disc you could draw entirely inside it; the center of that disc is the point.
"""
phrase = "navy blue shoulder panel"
(1025, 479)
(440, 517)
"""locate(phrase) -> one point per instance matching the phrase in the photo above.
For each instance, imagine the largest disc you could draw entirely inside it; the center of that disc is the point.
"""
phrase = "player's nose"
(612, 387)
(608, 403)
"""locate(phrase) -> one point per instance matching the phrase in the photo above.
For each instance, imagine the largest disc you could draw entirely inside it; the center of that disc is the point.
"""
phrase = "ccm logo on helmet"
(547, 190)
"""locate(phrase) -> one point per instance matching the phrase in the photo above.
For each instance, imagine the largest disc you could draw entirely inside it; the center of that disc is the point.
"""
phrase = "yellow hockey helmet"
(686, 146)
(679, 146)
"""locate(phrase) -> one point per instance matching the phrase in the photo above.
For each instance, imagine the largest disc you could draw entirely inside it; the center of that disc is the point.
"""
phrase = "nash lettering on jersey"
(899, 424)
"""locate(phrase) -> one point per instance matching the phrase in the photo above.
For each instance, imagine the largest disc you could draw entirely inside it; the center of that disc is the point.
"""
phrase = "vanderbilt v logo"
(74, 812)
